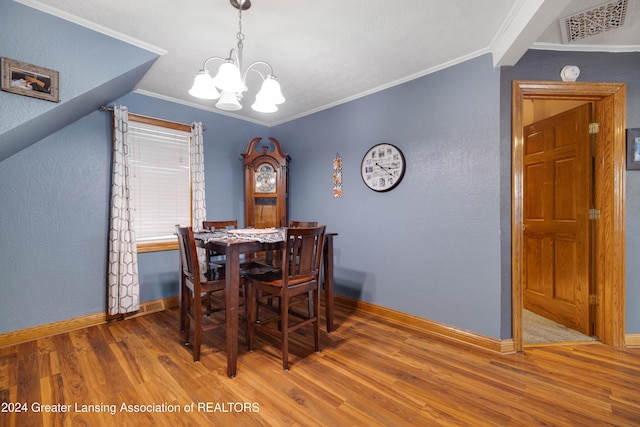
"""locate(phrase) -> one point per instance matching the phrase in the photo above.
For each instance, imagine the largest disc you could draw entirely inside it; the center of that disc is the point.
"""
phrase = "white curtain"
(124, 288)
(198, 205)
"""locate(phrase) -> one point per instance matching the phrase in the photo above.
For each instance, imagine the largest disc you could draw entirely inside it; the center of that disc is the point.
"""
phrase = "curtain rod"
(109, 108)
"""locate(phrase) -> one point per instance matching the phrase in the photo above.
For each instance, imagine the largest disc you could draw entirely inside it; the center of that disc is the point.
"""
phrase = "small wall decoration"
(337, 177)
(29, 80)
(633, 148)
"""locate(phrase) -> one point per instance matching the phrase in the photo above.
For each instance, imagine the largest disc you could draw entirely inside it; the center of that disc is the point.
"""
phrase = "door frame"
(609, 177)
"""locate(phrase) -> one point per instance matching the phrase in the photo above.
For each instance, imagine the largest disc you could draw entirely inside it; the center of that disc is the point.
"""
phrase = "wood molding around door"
(609, 176)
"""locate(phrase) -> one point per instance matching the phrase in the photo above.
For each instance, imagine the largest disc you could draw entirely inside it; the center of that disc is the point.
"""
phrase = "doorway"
(557, 197)
(608, 272)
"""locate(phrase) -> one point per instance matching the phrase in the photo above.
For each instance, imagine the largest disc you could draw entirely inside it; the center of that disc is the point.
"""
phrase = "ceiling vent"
(598, 20)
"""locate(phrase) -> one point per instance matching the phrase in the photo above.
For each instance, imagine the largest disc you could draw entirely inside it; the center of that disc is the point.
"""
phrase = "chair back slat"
(303, 223)
(220, 225)
(188, 255)
(303, 250)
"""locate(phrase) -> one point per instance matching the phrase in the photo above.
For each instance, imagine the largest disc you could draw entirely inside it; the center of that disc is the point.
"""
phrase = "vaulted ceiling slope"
(89, 77)
(324, 52)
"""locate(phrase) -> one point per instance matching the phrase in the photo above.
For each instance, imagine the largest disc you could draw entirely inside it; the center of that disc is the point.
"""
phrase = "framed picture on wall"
(633, 148)
(30, 80)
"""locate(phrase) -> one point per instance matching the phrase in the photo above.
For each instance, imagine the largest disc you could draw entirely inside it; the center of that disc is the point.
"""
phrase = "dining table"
(234, 242)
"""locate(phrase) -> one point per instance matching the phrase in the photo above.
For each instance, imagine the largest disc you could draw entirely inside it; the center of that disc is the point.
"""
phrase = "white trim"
(524, 24)
(405, 79)
(92, 26)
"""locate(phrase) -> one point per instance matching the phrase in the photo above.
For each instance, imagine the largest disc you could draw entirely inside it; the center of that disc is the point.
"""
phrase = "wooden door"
(556, 186)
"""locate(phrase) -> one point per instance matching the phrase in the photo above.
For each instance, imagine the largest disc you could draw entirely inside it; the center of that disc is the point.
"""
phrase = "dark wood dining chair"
(298, 276)
(216, 260)
(218, 225)
(298, 224)
(303, 223)
(196, 285)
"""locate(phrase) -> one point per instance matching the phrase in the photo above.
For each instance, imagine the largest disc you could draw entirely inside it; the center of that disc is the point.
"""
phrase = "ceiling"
(331, 51)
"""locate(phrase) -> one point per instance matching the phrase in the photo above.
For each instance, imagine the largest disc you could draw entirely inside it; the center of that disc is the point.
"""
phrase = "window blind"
(161, 180)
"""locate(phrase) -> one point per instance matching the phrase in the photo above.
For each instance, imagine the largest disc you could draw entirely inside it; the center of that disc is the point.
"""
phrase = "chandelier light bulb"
(229, 102)
(264, 107)
(203, 86)
(270, 91)
(228, 78)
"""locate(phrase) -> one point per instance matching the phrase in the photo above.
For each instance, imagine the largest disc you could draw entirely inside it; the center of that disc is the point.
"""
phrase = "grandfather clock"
(266, 186)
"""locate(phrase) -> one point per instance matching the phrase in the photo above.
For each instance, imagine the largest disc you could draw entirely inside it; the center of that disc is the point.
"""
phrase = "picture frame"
(31, 80)
(633, 149)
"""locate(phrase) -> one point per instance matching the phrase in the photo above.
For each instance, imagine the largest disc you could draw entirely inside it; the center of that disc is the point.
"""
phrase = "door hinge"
(594, 213)
(594, 128)
(594, 299)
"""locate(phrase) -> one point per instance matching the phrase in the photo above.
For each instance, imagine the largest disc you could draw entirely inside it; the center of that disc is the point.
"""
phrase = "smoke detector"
(594, 21)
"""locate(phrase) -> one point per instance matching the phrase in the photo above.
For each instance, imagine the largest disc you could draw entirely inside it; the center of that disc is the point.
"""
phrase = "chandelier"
(230, 81)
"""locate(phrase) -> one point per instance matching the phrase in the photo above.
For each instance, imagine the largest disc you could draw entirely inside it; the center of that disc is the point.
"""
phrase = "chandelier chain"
(240, 35)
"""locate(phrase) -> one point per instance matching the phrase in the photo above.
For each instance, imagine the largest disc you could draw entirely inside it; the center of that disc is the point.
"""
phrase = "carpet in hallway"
(537, 330)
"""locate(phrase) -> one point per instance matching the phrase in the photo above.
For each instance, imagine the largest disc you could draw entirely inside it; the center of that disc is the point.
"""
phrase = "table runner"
(227, 235)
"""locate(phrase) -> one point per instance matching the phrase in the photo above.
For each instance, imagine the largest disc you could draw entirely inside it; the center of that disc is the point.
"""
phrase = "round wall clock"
(383, 167)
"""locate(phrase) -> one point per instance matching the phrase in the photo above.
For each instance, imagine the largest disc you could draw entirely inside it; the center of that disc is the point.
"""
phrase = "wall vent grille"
(594, 21)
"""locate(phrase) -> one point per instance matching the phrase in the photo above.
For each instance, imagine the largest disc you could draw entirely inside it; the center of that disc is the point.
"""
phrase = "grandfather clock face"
(265, 197)
(265, 179)
(265, 184)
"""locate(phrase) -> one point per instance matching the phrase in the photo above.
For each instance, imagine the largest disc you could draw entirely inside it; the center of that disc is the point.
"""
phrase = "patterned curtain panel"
(199, 207)
(124, 288)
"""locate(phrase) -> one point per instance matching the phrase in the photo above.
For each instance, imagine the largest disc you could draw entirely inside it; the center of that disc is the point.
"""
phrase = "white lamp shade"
(203, 86)
(229, 102)
(228, 78)
(264, 107)
(270, 92)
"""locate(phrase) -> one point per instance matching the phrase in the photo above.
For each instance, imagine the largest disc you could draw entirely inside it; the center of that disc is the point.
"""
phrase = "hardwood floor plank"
(295, 395)
(28, 381)
(371, 371)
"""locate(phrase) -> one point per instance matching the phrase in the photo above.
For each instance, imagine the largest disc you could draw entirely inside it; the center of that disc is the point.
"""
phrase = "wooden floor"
(370, 372)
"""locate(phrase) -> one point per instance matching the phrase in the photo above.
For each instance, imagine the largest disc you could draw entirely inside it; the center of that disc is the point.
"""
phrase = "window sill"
(165, 245)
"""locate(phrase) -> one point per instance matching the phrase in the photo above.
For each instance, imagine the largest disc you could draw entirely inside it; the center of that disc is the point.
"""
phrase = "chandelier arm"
(204, 66)
(232, 53)
(237, 54)
(252, 67)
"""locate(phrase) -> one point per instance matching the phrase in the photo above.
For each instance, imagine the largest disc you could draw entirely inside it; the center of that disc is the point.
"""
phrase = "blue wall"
(431, 246)
(437, 246)
(53, 223)
(54, 215)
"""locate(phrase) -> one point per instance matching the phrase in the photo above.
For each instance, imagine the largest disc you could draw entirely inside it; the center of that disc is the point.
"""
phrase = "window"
(161, 180)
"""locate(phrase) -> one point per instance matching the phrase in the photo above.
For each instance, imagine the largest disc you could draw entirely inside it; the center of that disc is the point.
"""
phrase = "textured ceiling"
(330, 51)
